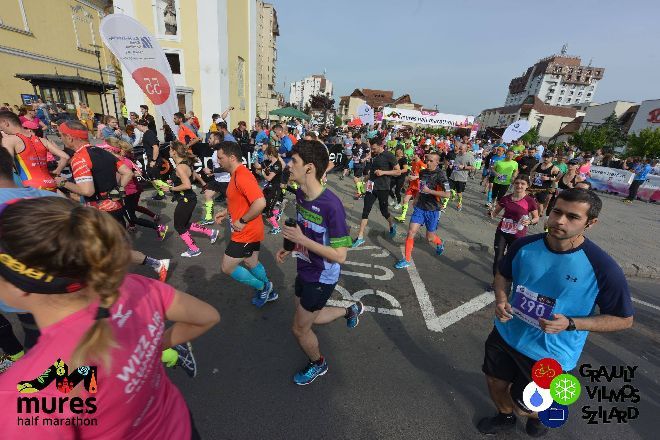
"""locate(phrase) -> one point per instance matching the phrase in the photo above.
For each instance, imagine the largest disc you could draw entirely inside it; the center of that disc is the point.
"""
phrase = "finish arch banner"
(366, 114)
(139, 52)
(514, 131)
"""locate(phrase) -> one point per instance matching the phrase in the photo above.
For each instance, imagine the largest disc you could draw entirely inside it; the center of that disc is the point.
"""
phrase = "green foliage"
(645, 144)
(338, 121)
(532, 136)
(605, 136)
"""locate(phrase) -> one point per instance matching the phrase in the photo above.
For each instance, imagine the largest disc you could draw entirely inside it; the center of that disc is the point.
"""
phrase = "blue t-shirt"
(642, 171)
(229, 138)
(571, 283)
(286, 145)
(261, 138)
(324, 221)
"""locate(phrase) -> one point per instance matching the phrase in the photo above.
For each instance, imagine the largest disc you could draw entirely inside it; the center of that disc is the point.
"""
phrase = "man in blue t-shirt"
(321, 238)
(546, 290)
(641, 170)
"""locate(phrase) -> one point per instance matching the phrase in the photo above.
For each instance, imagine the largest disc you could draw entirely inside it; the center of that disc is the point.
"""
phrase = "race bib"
(530, 306)
(370, 186)
(301, 252)
(509, 226)
(501, 177)
(538, 179)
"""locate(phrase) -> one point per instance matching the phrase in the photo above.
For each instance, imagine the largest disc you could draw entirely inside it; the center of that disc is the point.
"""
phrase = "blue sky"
(461, 55)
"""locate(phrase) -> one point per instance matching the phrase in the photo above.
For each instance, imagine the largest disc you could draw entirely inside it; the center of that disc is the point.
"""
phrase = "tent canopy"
(290, 112)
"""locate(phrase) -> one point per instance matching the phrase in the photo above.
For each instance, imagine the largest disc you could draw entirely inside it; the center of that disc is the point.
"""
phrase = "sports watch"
(571, 324)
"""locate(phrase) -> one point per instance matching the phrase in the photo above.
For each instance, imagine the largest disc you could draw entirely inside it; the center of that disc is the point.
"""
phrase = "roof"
(78, 82)
(571, 127)
(537, 105)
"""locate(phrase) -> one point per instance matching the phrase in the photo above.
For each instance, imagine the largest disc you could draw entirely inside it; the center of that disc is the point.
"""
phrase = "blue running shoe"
(358, 242)
(439, 249)
(214, 236)
(191, 253)
(261, 296)
(275, 231)
(354, 312)
(272, 296)
(186, 359)
(402, 264)
(309, 373)
(393, 230)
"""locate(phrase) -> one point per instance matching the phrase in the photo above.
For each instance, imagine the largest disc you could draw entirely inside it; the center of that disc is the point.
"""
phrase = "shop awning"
(61, 81)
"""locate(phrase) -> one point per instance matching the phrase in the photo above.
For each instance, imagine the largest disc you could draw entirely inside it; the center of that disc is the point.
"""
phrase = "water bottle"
(522, 219)
(288, 244)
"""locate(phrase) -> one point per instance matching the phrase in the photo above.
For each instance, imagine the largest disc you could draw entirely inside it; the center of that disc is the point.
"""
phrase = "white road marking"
(386, 276)
(348, 299)
(644, 303)
(439, 323)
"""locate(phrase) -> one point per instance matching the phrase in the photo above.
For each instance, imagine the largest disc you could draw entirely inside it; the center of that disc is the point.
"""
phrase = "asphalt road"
(411, 369)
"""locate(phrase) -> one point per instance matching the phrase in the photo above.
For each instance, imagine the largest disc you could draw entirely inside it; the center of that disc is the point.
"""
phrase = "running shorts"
(459, 187)
(236, 249)
(412, 191)
(313, 296)
(218, 187)
(542, 196)
(429, 219)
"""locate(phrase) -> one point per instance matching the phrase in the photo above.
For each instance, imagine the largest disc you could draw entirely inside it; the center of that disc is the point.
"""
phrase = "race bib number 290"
(531, 306)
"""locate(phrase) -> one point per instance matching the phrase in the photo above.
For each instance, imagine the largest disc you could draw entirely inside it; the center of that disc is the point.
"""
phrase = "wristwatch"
(571, 324)
(240, 220)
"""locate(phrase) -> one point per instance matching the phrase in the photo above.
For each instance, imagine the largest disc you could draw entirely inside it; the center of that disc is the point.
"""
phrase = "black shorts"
(504, 362)
(313, 296)
(459, 187)
(491, 179)
(242, 250)
(358, 170)
(217, 187)
(542, 196)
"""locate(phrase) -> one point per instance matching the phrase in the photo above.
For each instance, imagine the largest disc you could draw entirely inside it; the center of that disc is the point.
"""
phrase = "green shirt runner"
(504, 170)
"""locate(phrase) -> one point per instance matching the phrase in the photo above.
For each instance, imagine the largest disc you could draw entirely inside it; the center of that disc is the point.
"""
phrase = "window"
(167, 19)
(579, 94)
(568, 101)
(83, 27)
(562, 92)
(13, 18)
(559, 99)
(571, 93)
(175, 62)
(588, 94)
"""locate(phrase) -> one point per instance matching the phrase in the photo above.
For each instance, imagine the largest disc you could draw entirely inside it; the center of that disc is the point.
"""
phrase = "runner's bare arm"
(597, 323)
(192, 318)
(182, 173)
(497, 210)
(502, 307)
(61, 154)
(295, 234)
(9, 143)
(125, 175)
(256, 208)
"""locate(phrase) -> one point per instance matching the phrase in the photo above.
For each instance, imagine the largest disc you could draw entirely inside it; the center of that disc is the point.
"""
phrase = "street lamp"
(97, 52)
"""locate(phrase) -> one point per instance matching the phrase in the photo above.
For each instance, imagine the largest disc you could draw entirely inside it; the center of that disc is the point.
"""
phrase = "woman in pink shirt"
(101, 329)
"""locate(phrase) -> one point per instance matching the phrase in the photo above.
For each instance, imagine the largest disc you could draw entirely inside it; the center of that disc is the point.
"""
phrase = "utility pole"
(97, 52)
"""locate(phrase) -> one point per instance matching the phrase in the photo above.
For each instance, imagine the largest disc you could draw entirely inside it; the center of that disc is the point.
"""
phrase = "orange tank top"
(32, 164)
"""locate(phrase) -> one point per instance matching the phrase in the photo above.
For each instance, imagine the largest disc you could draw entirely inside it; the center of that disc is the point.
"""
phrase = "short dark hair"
(214, 116)
(6, 164)
(376, 140)
(583, 196)
(313, 152)
(216, 135)
(231, 149)
(146, 107)
(276, 126)
(10, 117)
(221, 124)
(180, 115)
(143, 122)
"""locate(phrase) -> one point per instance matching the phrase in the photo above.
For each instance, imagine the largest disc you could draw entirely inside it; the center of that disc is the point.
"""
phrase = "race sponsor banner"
(427, 118)
(138, 50)
(366, 114)
(612, 180)
(514, 131)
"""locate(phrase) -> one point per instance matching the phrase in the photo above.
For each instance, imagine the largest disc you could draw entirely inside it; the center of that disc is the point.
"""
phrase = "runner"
(504, 171)
(396, 184)
(272, 173)
(381, 167)
(321, 239)
(83, 311)
(520, 210)
(571, 275)
(416, 166)
(245, 203)
(641, 169)
(99, 178)
(155, 162)
(348, 155)
(543, 177)
(216, 186)
(461, 165)
(495, 155)
(433, 185)
(360, 157)
(186, 135)
(528, 161)
(30, 153)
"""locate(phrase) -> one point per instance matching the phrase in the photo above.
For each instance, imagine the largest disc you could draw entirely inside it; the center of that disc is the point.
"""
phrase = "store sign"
(648, 116)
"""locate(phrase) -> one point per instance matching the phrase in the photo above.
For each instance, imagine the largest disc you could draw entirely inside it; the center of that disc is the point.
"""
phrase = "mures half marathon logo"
(65, 383)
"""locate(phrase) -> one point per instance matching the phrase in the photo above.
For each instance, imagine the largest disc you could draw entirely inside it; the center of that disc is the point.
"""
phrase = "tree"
(645, 144)
(323, 103)
(532, 136)
(613, 131)
(589, 139)
(606, 136)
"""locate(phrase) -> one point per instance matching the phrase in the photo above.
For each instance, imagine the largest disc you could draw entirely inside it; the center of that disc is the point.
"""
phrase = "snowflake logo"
(565, 389)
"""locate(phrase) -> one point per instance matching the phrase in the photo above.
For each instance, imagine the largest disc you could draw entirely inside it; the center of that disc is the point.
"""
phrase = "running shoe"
(357, 196)
(488, 205)
(272, 296)
(214, 236)
(278, 217)
(443, 210)
(629, 202)
(397, 206)
(499, 423)
(163, 267)
(459, 207)
(261, 296)
(400, 218)
(206, 222)
(158, 197)
(190, 253)
(391, 202)
(401, 264)
(5, 362)
(186, 359)
(357, 242)
(354, 312)
(439, 249)
(535, 428)
(393, 230)
(308, 374)
(341, 177)
(162, 231)
(275, 231)
(131, 229)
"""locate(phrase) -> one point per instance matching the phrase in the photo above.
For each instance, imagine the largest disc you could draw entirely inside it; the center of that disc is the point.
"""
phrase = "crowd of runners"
(65, 271)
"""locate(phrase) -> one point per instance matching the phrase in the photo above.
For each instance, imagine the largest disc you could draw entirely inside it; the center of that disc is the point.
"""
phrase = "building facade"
(211, 46)
(51, 53)
(559, 80)
(267, 32)
(301, 91)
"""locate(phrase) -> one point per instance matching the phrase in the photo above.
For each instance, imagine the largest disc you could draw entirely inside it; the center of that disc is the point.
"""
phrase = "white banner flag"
(514, 131)
(137, 49)
(426, 117)
(366, 114)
